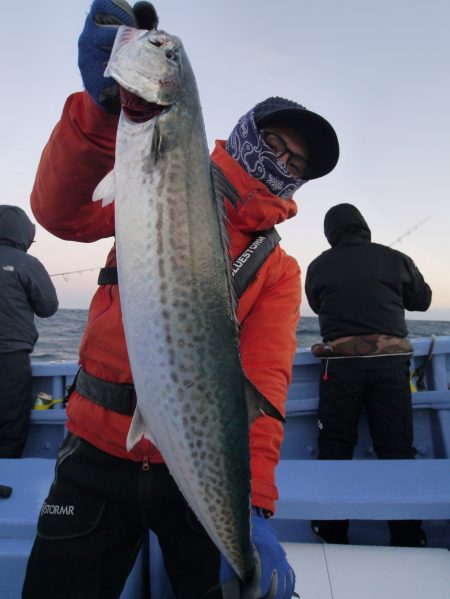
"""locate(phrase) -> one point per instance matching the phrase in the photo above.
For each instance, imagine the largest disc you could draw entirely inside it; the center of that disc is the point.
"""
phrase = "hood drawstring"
(325, 374)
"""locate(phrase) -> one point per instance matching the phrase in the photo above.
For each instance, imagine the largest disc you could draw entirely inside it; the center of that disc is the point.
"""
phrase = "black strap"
(112, 396)
(122, 398)
(421, 370)
(108, 276)
(246, 265)
(244, 268)
(70, 389)
(252, 258)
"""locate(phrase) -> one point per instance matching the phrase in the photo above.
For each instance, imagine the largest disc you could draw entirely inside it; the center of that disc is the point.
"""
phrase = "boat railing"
(431, 406)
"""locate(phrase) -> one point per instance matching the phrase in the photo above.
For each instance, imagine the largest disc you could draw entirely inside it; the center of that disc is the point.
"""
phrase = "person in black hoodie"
(25, 290)
(360, 291)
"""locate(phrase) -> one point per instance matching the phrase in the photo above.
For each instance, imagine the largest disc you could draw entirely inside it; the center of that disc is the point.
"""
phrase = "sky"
(378, 71)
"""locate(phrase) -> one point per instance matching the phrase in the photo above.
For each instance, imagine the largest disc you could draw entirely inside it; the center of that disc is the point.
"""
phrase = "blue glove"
(96, 41)
(274, 577)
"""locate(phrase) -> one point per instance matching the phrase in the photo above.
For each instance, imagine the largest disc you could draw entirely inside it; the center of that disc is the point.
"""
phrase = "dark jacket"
(358, 287)
(25, 287)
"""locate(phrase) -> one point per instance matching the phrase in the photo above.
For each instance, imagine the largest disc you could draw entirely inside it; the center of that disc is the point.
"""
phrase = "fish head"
(149, 64)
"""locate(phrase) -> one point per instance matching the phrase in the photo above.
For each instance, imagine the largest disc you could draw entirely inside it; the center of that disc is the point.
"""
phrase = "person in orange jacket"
(117, 494)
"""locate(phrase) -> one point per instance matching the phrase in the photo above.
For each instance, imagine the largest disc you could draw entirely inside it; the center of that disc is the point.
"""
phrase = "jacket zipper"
(145, 464)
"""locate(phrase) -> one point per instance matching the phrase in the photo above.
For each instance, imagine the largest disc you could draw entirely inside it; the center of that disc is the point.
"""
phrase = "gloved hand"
(274, 577)
(96, 41)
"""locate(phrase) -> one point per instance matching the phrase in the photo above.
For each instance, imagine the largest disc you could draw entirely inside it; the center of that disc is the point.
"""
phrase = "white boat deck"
(359, 572)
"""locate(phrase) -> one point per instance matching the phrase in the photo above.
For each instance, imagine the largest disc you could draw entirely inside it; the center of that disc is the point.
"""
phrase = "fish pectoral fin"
(258, 404)
(106, 189)
(137, 431)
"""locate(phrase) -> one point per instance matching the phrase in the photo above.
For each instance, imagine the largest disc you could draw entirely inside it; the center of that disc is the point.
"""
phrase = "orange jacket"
(78, 155)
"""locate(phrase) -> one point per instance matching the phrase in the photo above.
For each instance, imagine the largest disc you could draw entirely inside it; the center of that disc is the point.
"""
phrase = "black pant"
(382, 386)
(385, 393)
(16, 402)
(93, 522)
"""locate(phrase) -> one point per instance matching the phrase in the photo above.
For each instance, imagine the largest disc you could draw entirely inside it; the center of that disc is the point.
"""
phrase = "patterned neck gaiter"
(247, 146)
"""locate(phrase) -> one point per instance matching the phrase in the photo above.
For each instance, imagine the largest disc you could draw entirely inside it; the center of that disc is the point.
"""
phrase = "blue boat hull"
(365, 490)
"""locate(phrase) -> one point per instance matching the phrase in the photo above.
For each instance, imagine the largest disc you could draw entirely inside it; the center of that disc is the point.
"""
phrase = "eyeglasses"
(296, 164)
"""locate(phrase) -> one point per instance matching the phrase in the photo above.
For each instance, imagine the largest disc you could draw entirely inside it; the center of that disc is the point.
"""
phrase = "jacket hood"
(259, 209)
(16, 228)
(344, 223)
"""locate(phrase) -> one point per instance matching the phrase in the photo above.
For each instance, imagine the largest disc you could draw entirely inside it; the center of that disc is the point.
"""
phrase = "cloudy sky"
(378, 71)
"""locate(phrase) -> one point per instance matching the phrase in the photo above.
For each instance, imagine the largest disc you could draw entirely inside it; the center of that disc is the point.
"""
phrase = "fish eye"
(171, 55)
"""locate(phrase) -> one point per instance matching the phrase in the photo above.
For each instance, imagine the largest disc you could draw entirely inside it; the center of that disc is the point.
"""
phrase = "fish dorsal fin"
(224, 238)
(105, 190)
(258, 405)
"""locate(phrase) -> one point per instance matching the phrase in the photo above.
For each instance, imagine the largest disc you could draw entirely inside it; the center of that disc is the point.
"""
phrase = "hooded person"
(267, 157)
(26, 290)
(360, 291)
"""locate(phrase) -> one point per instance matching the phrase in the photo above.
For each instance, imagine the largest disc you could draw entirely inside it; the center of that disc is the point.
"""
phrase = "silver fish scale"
(178, 318)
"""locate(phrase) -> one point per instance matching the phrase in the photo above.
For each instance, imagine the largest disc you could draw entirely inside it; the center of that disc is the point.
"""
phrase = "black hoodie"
(358, 287)
(25, 286)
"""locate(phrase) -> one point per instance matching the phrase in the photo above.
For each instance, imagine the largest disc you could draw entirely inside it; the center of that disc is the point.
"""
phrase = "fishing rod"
(413, 228)
(65, 275)
(80, 271)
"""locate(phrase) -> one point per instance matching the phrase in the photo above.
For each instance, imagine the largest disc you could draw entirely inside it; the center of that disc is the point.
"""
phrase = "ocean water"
(60, 335)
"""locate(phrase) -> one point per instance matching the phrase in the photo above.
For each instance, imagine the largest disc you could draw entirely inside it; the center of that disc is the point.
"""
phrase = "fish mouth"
(137, 109)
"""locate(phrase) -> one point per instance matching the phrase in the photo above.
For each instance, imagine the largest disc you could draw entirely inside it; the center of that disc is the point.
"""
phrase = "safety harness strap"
(244, 268)
(246, 265)
(108, 276)
(252, 258)
(122, 398)
(112, 396)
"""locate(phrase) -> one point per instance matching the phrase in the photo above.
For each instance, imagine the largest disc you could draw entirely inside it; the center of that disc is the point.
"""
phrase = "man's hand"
(96, 42)
(273, 578)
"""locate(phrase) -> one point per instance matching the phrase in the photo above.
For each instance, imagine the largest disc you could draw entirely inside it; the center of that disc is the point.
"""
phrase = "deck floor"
(360, 572)
(323, 571)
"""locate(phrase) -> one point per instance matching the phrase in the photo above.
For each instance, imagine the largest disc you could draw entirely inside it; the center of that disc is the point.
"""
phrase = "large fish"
(193, 399)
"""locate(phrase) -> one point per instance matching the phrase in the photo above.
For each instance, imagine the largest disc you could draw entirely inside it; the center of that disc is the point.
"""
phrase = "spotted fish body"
(179, 320)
